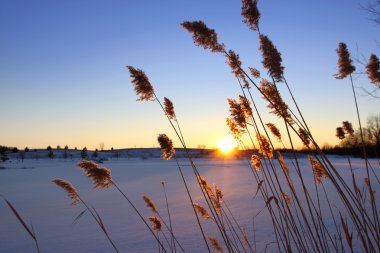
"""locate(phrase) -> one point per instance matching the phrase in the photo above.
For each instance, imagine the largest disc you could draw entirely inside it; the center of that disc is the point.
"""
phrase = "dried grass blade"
(270, 199)
(79, 216)
(356, 188)
(372, 195)
(266, 205)
(20, 219)
(101, 224)
(346, 232)
(258, 188)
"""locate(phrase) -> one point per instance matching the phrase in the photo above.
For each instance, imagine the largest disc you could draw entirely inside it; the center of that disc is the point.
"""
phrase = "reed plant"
(300, 212)
(297, 213)
(102, 178)
(75, 199)
(28, 228)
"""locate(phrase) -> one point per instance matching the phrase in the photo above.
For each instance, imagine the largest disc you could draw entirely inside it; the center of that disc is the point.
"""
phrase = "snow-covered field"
(27, 185)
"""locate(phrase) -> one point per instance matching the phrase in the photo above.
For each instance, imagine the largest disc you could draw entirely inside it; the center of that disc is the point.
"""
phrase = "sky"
(63, 79)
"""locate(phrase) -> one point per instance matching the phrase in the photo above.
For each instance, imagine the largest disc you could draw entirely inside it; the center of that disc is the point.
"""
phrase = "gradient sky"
(63, 79)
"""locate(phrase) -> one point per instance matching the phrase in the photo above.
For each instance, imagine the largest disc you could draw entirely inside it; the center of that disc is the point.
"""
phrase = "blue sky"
(63, 79)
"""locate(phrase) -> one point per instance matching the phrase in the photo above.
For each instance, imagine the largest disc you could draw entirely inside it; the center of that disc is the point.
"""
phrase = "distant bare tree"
(373, 8)
(116, 154)
(65, 154)
(3, 154)
(21, 155)
(101, 146)
(83, 153)
(371, 134)
(373, 128)
(201, 146)
(95, 153)
(51, 154)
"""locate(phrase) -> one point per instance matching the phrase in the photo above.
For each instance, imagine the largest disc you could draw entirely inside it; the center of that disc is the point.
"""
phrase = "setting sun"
(226, 144)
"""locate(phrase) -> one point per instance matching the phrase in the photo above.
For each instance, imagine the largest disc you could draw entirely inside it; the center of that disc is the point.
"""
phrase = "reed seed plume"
(215, 244)
(204, 184)
(256, 162)
(277, 105)
(347, 127)
(286, 197)
(246, 83)
(340, 133)
(140, 81)
(235, 64)
(156, 223)
(274, 130)
(201, 211)
(318, 170)
(218, 193)
(169, 108)
(304, 137)
(245, 105)
(283, 164)
(203, 36)
(216, 199)
(208, 190)
(234, 128)
(166, 145)
(372, 197)
(251, 14)
(100, 176)
(373, 69)
(345, 66)
(69, 188)
(245, 237)
(237, 112)
(216, 203)
(264, 147)
(149, 203)
(271, 58)
(254, 72)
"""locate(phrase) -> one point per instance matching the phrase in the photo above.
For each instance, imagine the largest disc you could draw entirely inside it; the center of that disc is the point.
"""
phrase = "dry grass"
(298, 210)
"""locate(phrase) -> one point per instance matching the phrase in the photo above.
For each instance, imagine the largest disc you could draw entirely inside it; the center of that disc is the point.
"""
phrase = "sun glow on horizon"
(226, 145)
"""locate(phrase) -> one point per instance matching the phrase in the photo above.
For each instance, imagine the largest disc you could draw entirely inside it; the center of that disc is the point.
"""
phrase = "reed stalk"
(75, 197)
(28, 229)
(170, 219)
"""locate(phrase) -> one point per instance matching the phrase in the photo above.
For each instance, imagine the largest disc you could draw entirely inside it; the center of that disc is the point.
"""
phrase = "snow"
(27, 185)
